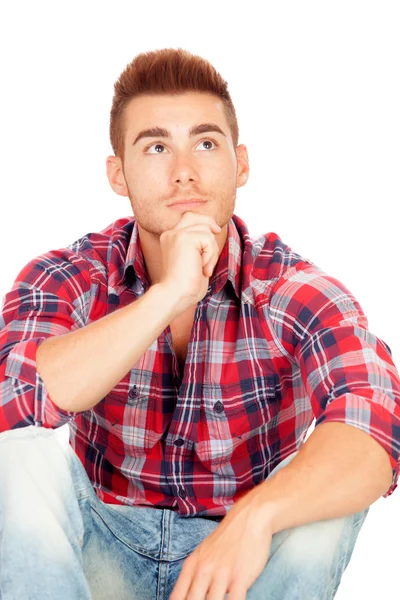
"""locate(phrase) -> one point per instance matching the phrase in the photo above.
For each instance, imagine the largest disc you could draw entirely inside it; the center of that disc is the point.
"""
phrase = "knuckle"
(204, 568)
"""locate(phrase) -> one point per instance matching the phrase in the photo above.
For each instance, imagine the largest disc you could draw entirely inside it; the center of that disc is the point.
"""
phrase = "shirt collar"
(228, 267)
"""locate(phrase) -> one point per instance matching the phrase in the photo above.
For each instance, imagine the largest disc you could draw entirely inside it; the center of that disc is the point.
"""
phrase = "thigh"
(41, 526)
(308, 561)
(63, 539)
(120, 544)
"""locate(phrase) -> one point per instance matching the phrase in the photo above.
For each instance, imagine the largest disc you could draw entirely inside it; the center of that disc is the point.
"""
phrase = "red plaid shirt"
(275, 343)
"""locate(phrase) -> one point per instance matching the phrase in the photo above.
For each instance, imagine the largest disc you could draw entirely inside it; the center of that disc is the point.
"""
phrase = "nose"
(184, 170)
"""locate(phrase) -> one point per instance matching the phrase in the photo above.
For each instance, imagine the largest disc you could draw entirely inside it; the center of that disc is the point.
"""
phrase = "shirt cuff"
(21, 366)
(373, 418)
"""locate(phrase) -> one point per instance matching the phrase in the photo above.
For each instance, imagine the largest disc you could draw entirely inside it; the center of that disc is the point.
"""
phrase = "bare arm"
(81, 367)
(340, 470)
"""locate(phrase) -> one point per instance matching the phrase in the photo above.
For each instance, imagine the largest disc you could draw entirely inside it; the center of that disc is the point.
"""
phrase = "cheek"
(145, 178)
(223, 173)
(154, 177)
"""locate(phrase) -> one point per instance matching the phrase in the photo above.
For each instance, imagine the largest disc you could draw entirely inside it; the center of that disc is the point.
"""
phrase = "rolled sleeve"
(21, 367)
(373, 418)
(50, 297)
(347, 371)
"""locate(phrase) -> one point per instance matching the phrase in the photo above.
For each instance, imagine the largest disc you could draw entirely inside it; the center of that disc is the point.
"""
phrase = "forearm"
(340, 470)
(81, 367)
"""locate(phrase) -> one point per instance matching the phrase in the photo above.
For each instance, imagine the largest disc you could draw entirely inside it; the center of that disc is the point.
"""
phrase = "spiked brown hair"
(162, 72)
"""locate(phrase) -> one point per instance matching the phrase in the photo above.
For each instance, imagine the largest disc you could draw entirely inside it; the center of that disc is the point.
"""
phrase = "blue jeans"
(59, 541)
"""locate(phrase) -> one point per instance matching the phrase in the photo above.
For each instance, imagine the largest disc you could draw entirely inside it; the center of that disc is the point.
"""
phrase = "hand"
(189, 254)
(231, 558)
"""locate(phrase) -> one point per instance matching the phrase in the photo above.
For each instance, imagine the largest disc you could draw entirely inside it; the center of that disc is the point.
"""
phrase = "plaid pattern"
(275, 343)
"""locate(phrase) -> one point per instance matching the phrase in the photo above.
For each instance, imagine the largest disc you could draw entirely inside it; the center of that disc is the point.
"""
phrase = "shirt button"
(182, 493)
(133, 392)
(179, 442)
(218, 407)
(29, 307)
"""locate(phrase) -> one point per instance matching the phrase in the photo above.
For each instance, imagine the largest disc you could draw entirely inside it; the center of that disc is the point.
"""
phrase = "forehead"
(183, 110)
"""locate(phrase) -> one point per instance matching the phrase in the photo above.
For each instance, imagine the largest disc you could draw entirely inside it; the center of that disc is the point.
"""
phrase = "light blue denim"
(58, 541)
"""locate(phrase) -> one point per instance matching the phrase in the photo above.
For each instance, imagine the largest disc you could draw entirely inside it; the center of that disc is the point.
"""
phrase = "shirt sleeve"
(348, 372)
(49, 297)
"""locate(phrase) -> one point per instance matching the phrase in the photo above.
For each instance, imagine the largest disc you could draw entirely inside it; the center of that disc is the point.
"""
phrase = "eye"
(159, 145)
(156, 145)
(208, 142)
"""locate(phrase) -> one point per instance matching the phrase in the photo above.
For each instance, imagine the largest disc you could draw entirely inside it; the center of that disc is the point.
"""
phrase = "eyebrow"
(161, 132)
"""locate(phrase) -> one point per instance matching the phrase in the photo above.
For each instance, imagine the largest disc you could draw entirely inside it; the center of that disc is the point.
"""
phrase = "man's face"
(158, 170)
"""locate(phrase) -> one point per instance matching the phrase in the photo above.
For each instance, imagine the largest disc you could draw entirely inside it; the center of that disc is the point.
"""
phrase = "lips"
(188, 201)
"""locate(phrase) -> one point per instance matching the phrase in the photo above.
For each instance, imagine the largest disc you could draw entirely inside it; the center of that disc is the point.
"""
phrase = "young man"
(189, 361)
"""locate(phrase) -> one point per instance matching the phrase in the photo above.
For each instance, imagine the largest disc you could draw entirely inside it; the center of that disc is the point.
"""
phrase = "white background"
(316, 90)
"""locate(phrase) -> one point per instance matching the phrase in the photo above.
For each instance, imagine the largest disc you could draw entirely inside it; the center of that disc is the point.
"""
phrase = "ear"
(243, 169)
(115, 175)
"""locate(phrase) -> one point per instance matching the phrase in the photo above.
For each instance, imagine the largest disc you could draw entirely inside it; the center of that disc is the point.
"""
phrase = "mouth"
(187, 203)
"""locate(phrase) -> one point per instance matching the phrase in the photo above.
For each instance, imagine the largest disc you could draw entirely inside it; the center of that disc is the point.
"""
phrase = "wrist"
(171, 300)
(267, 501)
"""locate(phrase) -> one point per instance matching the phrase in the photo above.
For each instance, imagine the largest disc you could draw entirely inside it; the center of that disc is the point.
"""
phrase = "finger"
(183, 582)
(237, 591)
(218, 589)
(209, 253)
(199, 587)
(190, 218)
(208, 268)
(213, 227)
(199, 227)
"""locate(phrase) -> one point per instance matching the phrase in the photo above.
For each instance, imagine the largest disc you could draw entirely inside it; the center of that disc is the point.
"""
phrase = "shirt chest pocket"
(129, 422)
(234, 419)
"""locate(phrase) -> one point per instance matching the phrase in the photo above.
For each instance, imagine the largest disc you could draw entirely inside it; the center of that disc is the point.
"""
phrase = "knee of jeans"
(29, 432)
(32, 447)
(322, 542)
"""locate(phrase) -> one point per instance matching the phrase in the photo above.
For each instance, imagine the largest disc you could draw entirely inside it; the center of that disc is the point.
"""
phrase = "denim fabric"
(58, 540)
